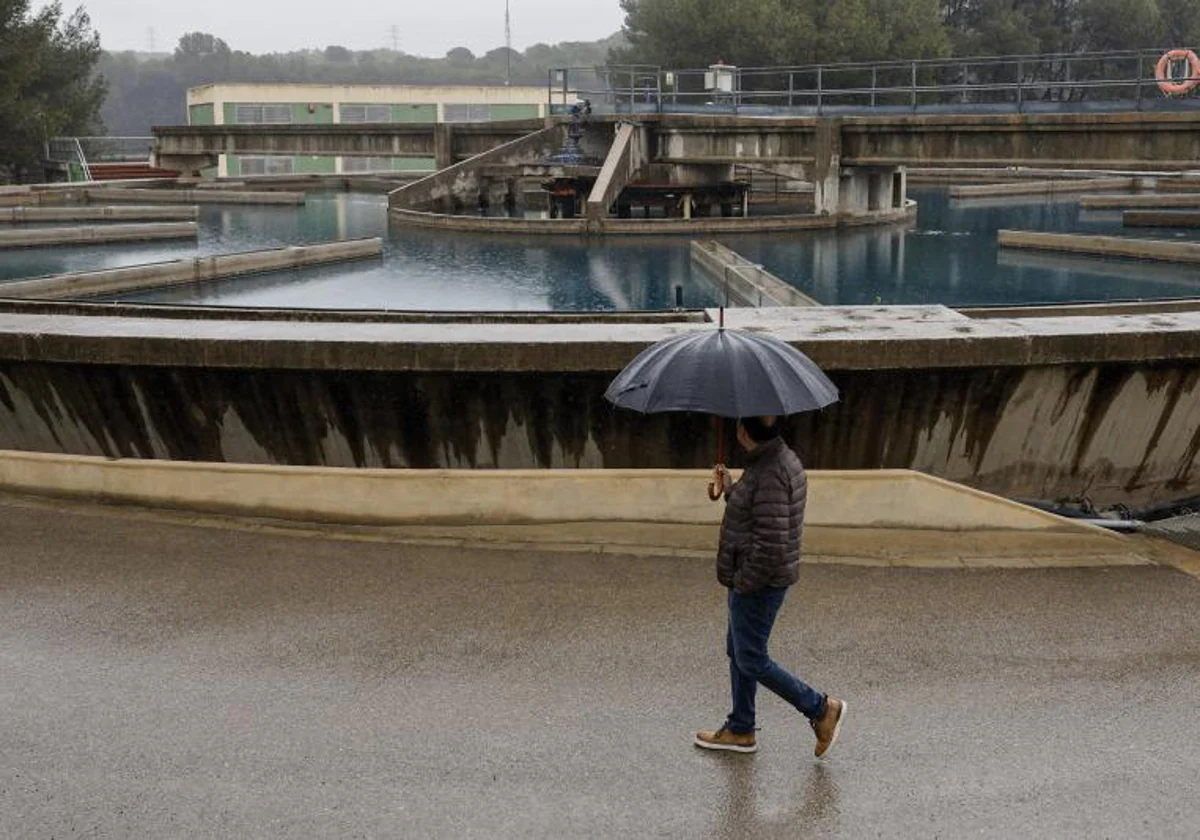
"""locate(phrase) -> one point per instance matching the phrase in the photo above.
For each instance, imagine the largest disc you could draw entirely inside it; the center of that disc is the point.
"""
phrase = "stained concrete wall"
(1120, 432)
(629, 154)
(454, 187)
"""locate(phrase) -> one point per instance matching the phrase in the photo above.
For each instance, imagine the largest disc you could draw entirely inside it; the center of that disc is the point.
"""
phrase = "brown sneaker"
(828, 725)
(723, 739)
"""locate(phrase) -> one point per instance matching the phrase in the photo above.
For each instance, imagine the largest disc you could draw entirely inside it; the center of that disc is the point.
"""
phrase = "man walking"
(759, 559)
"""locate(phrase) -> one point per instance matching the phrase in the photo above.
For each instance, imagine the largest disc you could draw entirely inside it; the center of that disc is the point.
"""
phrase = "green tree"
(696, 33)
(200, 46)
(1180, 23)
(48, 86)
(1120, 24)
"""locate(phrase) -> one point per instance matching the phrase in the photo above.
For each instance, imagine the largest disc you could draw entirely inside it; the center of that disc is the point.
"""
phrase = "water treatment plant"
(468, 316)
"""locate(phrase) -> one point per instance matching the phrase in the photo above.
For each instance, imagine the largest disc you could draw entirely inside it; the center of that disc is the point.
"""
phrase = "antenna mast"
(508, 45)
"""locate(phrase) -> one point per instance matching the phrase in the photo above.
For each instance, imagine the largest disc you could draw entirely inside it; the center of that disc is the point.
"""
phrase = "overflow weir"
(1054, 407)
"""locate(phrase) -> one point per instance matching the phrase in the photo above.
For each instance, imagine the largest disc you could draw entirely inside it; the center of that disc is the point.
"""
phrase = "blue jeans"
(751, 618)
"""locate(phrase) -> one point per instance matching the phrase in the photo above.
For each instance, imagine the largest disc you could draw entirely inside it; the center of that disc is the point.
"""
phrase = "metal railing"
(99, 149)
(1106, 81)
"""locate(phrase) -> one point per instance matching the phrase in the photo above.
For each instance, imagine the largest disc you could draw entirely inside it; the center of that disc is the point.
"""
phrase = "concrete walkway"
(170, 681)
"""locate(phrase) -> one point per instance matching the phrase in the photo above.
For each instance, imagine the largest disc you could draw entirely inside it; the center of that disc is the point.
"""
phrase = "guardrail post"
(1137, 75)
(874, 83)
(791, 89)
(820, 88)
(1020, 86)
(914, 86)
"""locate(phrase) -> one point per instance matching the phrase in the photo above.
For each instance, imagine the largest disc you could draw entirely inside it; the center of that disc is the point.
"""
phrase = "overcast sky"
(423, 27)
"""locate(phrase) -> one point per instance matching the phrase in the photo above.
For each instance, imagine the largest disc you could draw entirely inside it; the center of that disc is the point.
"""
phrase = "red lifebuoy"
(1162, 72)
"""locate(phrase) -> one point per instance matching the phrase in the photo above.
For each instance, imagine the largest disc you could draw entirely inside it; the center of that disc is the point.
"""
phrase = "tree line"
(696, 33)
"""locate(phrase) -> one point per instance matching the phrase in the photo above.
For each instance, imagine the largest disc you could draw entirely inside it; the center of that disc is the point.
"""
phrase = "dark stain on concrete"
(1109, 382)
(887, 419)
(1176, 384)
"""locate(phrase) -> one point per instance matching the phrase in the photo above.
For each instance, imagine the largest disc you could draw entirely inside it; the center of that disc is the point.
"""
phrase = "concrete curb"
(890, 517)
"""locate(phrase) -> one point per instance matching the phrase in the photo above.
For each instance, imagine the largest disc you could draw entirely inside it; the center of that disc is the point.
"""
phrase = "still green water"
(949, 256)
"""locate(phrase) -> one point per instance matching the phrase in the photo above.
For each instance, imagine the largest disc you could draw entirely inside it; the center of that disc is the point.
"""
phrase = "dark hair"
(759, 431)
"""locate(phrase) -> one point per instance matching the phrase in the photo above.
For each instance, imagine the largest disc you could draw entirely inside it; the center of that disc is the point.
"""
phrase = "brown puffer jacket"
(764, 518)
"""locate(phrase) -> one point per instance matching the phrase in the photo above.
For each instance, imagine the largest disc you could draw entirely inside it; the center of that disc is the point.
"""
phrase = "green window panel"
(258, 113)
(201, 115)
(365, 112)
(233, 166)
(414, 113)
(315, 165)
(414, 164)
(278, 113)
(498, 113)
(312, 113)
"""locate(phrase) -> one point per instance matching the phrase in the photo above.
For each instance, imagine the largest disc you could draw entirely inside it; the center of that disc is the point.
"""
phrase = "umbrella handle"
(715, 493)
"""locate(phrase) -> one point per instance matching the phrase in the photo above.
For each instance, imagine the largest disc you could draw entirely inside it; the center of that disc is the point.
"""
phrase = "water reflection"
(811, 810)
(433, 270)
(948, 256)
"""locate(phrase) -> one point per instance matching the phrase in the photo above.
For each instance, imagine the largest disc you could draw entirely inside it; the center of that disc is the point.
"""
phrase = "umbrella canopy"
(722, 372)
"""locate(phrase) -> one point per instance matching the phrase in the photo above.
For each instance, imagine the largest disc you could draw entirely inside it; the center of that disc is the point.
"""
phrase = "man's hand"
(721, 479)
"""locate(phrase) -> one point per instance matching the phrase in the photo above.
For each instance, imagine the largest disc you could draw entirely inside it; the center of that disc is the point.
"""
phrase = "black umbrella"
(723, 372)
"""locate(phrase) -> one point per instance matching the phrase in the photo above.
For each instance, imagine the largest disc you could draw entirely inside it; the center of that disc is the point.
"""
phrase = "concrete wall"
(109, 281)
(1139, 140)
(854, 499)
(629, 154)
(1114, 432)
(218, 95)
(457, 186)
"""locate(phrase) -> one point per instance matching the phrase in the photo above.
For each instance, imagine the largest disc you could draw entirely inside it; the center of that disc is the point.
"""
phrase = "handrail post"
(1020, 86)
(791, 89)
(914, 86)
(1137, 75)
(874, 82)
(820, 87)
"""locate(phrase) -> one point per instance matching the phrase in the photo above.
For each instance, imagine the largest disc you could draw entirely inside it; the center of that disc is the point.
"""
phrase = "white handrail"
(87, 172)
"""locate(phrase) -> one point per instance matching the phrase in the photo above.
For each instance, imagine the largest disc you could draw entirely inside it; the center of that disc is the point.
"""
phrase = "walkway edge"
(885, 517)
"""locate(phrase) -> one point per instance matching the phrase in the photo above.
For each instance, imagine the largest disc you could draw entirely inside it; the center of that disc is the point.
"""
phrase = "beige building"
(284, 104)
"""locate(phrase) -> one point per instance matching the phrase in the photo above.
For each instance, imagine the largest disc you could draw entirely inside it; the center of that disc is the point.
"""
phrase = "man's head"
(754, 431)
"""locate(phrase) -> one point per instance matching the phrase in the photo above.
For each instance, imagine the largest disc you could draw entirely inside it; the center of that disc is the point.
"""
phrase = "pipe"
(1124, 525)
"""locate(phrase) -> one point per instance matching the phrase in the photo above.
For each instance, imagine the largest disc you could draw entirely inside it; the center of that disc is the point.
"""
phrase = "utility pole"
(507, 45)
(395, 38)
(151, 37)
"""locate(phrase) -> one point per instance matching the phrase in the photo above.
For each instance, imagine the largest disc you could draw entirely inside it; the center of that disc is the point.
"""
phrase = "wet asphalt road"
(166, 681)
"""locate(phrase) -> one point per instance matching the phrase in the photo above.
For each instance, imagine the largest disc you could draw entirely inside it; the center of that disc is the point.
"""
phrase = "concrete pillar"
(879, 190)
(854, 191)
(827, 166)
(443, 145)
